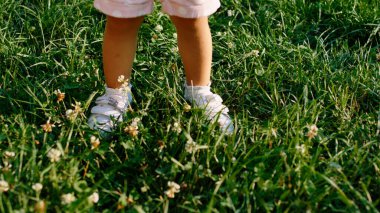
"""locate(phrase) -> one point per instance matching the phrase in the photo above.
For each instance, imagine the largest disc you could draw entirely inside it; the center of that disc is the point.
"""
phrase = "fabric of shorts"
(136, 8)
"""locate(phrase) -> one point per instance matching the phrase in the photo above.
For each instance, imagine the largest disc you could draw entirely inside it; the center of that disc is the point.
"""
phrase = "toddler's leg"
(195, 47)
(119, 47)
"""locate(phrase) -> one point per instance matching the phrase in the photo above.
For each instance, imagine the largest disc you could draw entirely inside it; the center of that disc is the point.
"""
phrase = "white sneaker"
(109, 108)
(203, 98)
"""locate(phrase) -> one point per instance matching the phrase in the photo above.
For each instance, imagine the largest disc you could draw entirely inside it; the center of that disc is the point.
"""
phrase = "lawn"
(301, 79)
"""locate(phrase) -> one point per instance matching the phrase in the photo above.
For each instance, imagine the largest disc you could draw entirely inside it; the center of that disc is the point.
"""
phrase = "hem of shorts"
(129, 12)
(194, 12)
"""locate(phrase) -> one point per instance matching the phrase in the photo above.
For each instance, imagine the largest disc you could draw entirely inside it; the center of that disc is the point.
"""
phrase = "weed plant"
(301, 79)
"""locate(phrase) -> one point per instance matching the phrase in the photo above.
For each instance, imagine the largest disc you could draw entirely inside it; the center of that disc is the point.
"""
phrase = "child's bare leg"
(195, 47)
(119, 47)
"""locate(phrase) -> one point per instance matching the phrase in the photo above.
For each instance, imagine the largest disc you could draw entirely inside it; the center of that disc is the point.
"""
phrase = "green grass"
(318, 63)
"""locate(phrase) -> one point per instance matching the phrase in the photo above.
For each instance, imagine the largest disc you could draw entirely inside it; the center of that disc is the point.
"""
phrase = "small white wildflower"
(7, 166)
(60, 95)
(230, 45)
(256, 53)
(124, 83)
(95, 142)
(121, 79)
(125, 86)
(154, 37)
(4, 186)
(158, 28)
(135, 121)
(274, 132)
(93, 198)
(77, 107)
(177, 127)
(219, 33)
(48, 127)
(230, 12)
(175, 35)
(188, 165)
(313, 131)
(186, 108)
(67, 198)
(301, 149)
(132, 130)
(37, 187)
(71, 115)
(144, 189)
(54, 155)
(191, 146)
(173, 188)
(174, 49)
(9, 154)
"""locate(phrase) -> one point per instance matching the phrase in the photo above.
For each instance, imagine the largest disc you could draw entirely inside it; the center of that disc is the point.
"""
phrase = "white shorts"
(136, 8)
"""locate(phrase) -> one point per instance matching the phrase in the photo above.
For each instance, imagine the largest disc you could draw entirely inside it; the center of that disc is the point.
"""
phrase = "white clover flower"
(191, 146)
(144, 189)
(71, 115)
(37, 187)
(124, 83)
(54, 155)
(4, 186)
(186, 108)
(188, 165)
(230, 12)
(174, 49)
(9, 154)
(154, 38)
(274, 132)
(95, 142)
(230, 45)
(313, 131)
(60, 95)
(301, 149)
(67, 198)
(77, 107)
(132, 130)
(158, 28)
(48, 127)
(173, 188)
(177, 127)
(93, 198)
(256, 53)
(7, 166)
(135, 121)
(121, 79)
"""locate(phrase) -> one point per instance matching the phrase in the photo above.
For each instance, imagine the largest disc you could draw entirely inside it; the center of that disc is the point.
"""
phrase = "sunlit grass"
(301, 80)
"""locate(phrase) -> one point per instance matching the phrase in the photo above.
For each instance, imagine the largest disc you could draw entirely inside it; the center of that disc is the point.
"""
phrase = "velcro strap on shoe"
(106, 110)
